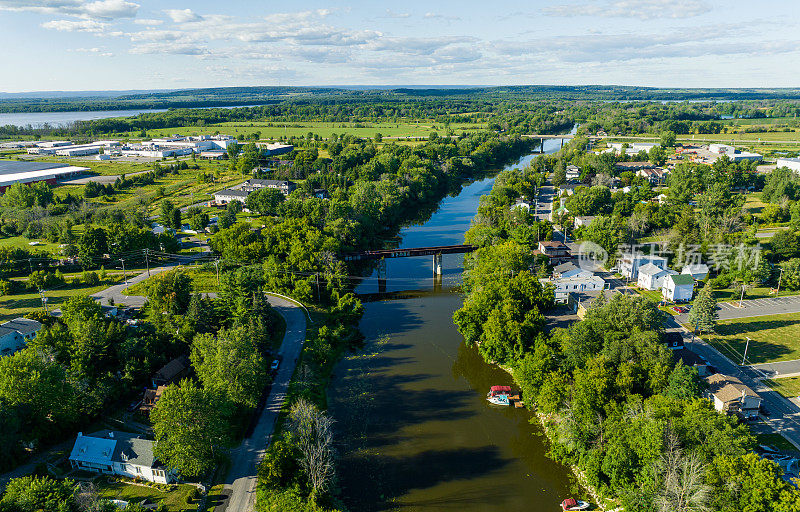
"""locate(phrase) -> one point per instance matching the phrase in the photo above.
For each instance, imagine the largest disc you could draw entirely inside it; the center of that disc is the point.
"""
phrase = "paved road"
(242, 476)
(754, 307)
(779, 369)
(784, 415)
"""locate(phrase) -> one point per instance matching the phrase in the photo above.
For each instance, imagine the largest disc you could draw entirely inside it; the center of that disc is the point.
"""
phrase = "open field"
(174, 500)
(20, 242)
(764, 121)
(774, 338)
(275, 130)
(13, 306)
(788, 387)
(203, 281)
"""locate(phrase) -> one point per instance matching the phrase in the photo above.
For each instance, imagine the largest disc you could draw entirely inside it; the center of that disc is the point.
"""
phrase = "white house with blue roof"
(119, 453)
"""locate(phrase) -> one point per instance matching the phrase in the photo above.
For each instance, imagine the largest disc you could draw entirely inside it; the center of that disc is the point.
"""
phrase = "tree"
(191, 428)
(94, 243)
(750, 483)
(198, 221)
(170, 292)
(175, 219)
(230, 364)
(657, 155)
(265, 201)
(39, 494)
(166, 212)
(791, 274)
(668, 139)
(19, 195)
(703, 315)
(682, 488)
(314, 434)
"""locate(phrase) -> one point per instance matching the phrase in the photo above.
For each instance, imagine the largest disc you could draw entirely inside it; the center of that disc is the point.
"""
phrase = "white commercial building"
(791, 163)
(634, 147)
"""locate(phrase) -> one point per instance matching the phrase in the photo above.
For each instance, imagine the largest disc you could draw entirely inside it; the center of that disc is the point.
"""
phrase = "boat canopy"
(501, 389)
(569, 502)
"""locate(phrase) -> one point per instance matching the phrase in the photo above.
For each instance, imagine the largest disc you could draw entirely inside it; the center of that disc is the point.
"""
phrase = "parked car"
(679, 309)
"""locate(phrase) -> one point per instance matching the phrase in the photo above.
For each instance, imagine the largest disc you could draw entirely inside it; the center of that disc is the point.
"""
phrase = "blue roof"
(93, 449)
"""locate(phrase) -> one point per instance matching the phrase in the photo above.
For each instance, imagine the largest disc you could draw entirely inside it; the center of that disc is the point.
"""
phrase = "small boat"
(499, 400)
(573, 504)
(499, 395)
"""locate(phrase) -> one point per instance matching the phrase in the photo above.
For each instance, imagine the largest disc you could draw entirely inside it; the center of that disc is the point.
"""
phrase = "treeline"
(612, 400)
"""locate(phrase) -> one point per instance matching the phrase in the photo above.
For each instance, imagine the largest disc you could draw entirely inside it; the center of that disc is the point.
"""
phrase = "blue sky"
(144, 44)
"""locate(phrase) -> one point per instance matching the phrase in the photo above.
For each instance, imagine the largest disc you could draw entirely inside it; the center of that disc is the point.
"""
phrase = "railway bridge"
(436, 252)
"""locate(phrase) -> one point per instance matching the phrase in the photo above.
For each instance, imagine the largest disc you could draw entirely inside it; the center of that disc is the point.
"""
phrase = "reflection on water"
(414, 428)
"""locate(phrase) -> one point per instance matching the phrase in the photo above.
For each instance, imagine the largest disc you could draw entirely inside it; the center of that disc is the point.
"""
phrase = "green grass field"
(174, 500)
(20, 242)
(788, 387)
(13, 306)
(774, 338)
(776, 441)
(275, 130)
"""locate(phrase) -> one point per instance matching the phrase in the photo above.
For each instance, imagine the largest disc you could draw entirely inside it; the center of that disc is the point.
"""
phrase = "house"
(633, 148)
(228, 195)
(150, 399)
(698, 271)
(567, 269)
(563, 287)
(633, 166)
(171, 372)
(119, 453)
(655, 176)
(651, 277)
(523, 204)
(583, 221)
(678, 288)
(630, 263)
(732, 396)
(673, 340)
(321, 193)
(689, 358)
(573, 173)
(567, 189)
(285, 186)
(557, 251)
(15, 334)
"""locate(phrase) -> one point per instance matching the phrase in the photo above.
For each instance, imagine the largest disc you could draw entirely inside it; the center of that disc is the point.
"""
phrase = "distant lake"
(57, 119)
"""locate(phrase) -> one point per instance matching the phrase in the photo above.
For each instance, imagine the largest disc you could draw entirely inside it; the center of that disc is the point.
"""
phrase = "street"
(754, 307)
(242, 477)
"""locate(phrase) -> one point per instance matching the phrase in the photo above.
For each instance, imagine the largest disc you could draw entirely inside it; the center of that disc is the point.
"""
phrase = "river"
(413, 426)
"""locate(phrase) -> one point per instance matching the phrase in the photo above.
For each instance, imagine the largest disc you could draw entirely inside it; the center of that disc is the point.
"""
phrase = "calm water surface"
(415, 430)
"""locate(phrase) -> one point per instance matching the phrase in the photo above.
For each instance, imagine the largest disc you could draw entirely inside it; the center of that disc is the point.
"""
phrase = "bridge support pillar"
(382, 276)
(437, 264)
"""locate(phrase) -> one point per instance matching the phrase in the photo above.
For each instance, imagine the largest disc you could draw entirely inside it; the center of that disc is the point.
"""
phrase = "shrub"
(91, 278)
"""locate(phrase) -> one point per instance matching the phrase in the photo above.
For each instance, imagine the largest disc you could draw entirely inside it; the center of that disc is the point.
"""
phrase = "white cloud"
(110, 9)
(91, 26)
(640, 9)
(396, 15)
(183, 15)
(101, 9)
(169, 49)
(441, 17)
(148, 22)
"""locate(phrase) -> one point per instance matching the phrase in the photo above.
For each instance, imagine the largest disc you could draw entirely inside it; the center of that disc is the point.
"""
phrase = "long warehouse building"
(12, 171)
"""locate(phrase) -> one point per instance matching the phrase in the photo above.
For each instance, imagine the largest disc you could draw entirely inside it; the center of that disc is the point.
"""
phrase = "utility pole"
(44, 300)
(747, 345)
(318, 299)
(124, 275)
(741, 298)
(30, 267)
(778, 292)
(147, 261)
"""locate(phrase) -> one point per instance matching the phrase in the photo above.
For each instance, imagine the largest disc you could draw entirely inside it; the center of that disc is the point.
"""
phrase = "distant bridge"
(436, 252)
(536, 136)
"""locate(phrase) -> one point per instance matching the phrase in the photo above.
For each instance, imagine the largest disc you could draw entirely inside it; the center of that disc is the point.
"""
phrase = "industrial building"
(67, 148)
(12, 171)
(791, 163)
(277, 149)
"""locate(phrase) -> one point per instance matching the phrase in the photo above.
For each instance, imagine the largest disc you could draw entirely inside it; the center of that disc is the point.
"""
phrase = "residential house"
(732, 396)
(321, 193)
(567, 269)
(630, 263)
(587, 282)
(583, 221)
(15, 334)
(633, 166)
(557, 251)
(573, 173)
(228, 195)
(678, 288)
(673, 340)
(651, 277)
(655, 176)
(171, 372)
(119, 453)
(698, 271)
(150, 399)
(523, 204)
(567, 189)
(285, 186)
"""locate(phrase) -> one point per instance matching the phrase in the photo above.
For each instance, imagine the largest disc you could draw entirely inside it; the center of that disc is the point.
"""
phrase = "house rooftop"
(93, 449)
(728, 388)
(24, 326)
(231, 192)
(650, 269)
(681, 279)
(128, 448)
(173, 368)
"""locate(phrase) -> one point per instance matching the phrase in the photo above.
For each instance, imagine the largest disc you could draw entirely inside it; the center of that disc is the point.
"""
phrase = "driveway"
(242, 477)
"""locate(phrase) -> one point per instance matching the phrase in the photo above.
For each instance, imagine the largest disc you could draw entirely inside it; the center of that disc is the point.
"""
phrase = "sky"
(147, 44)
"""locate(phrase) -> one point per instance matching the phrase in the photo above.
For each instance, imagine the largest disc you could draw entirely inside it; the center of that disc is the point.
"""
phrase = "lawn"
(20, 242)
(14, 306)
(774, 338)
(204, 280)
(789, 387)
(776, 441)
(174, 500)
